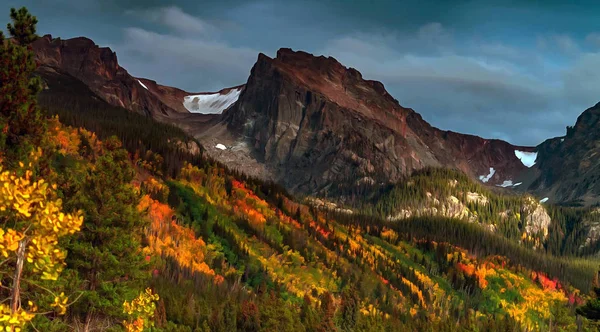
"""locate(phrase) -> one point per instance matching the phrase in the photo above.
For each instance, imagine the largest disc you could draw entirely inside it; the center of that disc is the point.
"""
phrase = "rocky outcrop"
(449, 207)
(476, 198)
(537, 219)
(592, 226)
(190, 147)
(323, 126)
(327, 206)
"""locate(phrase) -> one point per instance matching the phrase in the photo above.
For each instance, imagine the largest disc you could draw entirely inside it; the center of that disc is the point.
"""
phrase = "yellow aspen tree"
(31, 224)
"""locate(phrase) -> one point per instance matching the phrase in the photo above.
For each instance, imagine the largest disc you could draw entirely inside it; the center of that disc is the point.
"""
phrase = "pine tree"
(107, 253)
(591, 309)
(308, 314)
(31, 221)
(327, 313)
(22, 124)
(349, 310)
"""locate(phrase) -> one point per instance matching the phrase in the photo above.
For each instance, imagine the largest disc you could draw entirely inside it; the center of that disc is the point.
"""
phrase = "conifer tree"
(107, 253)
(349, 310)
(327, 313)
(22, 124)
(31, 220)
(591, 309)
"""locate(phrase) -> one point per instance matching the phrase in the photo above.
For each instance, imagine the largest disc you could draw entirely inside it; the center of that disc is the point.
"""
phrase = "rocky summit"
(322, 126)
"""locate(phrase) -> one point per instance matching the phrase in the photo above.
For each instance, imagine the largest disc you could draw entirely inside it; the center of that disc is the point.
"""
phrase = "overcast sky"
(515, 70)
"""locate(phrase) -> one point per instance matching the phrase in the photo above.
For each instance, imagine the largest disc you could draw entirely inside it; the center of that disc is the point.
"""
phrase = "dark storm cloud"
(517, 70)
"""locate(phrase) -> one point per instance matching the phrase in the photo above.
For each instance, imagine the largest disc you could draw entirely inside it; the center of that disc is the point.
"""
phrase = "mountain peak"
(309, 62)
(322, 124)
(342, 85)
(290, 56)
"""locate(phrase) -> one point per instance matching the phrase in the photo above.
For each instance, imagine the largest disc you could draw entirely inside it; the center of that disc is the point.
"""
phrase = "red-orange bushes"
(545, 282)
(244, 210)
(167, 238)
(286, 219)
(68, 139)
(466, 269)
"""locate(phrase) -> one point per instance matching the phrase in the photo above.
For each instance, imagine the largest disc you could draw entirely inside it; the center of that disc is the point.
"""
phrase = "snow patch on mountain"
(486, 178)
(509, 183)
(221, 146)
(527, 158)
(213, 103)
(142, 84)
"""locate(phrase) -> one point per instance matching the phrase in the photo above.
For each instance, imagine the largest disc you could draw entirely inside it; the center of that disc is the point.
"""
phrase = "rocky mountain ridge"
(318, 127)
(322, 124)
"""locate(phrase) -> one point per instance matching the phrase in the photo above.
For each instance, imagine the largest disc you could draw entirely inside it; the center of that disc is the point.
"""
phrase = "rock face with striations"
(322, 126)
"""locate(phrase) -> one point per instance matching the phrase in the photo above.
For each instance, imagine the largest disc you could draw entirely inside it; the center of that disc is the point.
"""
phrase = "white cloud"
(367, 46)
(563, 42)
(497, 49)
(433, 31)
(593, 39)
(175, 19)
(188, 51)
(582, 79)
(195, 63)
(190, 55)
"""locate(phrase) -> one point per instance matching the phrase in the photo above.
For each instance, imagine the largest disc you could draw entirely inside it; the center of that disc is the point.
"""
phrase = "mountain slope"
(219, 245)
(320, 124)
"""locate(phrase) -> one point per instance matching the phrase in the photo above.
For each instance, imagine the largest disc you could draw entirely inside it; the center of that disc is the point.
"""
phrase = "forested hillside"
(110, 222)
(557, 230)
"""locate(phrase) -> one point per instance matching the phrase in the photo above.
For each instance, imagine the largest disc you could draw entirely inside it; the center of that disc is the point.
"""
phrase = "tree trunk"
(88, 320)
(89, 314)
(15, 302)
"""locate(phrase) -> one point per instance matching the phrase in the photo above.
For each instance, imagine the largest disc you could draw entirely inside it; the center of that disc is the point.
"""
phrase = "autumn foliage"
(33, 225)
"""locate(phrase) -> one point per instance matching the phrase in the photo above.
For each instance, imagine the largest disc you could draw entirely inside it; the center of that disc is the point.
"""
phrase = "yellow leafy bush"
(140, 311)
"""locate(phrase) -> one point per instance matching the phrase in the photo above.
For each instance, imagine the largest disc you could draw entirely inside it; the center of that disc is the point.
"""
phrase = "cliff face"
(98, 68)
(321, 124)
(570, 165)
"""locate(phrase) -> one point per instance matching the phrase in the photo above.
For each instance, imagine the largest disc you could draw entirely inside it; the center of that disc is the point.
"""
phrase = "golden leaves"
(168, 238)
(415, 290)
(140, 311)
(9, 241)
(13, 321)
(60, 303)
(38, 221)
